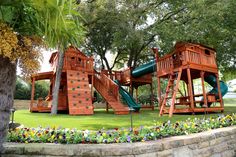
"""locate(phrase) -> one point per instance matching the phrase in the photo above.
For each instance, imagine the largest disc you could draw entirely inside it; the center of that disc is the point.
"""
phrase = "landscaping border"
(217, 142)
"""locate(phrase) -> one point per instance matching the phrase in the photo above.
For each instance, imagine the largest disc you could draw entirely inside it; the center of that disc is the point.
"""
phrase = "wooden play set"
(187, 62)
(77, 82)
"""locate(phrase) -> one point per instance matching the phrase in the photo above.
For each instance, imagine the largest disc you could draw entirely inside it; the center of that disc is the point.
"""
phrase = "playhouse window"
(207, 52)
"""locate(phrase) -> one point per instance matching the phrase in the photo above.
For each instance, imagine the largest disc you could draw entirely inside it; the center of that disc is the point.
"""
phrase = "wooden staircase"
(79, 93)
(110, 92)
(171, 91)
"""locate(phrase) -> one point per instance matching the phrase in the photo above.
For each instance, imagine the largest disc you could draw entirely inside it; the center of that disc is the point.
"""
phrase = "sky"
(45, 66)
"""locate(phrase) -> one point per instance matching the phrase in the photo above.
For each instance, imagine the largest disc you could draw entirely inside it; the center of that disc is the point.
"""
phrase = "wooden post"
(219, 91)
(92, 85)
(159, 91)
(155, 50)
(203, 89)
(107, 108)
(152, 97)
(190, 89)
(131, 88)
(32, 93)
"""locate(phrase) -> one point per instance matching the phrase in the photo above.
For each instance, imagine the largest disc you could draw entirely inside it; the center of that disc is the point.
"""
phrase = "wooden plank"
(203, 89)
(219, 91)
(32, 94)
(190, 89)
(210, 109)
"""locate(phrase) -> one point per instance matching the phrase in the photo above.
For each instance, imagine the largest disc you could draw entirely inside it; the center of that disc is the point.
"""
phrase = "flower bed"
(141, 134)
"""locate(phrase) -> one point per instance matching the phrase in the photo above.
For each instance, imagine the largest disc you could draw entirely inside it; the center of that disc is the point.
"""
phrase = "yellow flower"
(104, 134)
(53, 136)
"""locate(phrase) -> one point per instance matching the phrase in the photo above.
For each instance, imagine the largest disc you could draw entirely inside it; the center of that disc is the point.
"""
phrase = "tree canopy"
(129, 28)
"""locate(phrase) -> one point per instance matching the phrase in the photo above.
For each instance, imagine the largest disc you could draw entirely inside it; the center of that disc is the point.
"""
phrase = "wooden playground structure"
(79, 79)
(187, 62)
(76, 87)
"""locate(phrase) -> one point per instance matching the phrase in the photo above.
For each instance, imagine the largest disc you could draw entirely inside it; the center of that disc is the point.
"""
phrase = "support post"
(159, 91)
(190, 89)
(152, 97)
(32, 93)
(203, 89)
(92, 85)
(219, 91)
(107, 107)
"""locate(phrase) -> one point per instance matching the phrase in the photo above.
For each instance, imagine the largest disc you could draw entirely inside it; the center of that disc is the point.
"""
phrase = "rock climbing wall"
(79, 93)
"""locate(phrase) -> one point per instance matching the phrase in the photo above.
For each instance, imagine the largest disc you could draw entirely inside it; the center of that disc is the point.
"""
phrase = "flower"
(66, 135)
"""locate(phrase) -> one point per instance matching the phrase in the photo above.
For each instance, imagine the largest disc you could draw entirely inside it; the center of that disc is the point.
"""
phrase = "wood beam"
(219, 91)
(203, 89)
(190, 88)
(32, 93)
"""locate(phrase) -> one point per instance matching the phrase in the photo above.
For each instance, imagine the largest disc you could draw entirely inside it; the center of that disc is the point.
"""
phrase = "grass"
(101, 119)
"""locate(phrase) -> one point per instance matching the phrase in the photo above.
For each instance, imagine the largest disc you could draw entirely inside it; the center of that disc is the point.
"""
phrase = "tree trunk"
(107, 65)
(55, 95)
(7, 87)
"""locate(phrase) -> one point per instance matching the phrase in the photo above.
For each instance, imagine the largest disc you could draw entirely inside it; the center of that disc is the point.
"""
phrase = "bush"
(160, 130)
(146, 99)
(23, 89)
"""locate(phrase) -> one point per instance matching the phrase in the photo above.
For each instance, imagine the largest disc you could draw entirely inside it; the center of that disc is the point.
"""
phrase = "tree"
(62, 28)
(23, 27)
(101, 19)
(207, 22)
(126, 28)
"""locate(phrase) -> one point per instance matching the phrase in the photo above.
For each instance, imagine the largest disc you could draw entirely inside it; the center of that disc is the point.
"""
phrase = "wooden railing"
(125, 75)
(165, 64)
(76, 62)
(191, 56)
(115, 75)
(186, 56)
(72, 61)
(105, 86)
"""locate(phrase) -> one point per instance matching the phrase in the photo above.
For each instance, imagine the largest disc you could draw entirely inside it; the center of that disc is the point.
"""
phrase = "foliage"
(141, 134)
(128, 29)
(21, 49)
(41, 89)
(207, 22)
(146, 99)
(125, 31)
(23, 89)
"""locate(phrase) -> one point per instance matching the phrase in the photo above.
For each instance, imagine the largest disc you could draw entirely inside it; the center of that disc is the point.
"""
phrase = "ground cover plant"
(105, 127)
(103, 120)
(116, 135)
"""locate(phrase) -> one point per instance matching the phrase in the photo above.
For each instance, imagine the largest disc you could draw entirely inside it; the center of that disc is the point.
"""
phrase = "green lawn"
(101, 119)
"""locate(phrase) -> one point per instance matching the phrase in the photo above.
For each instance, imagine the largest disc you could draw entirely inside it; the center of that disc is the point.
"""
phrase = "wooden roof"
(181, 43)
(42, 76)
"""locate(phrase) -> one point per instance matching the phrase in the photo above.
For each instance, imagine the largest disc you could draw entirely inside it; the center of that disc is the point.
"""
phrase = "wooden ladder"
(172, 89)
